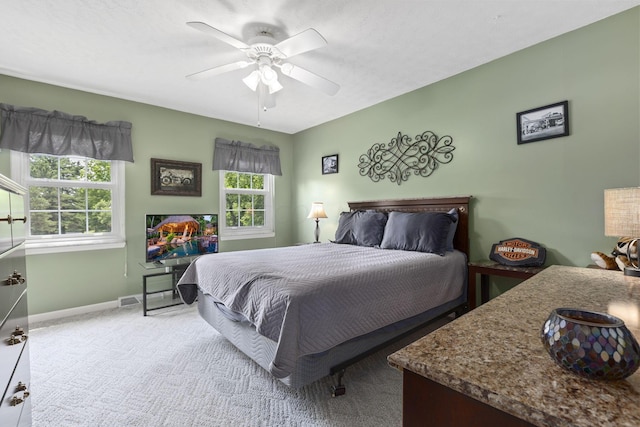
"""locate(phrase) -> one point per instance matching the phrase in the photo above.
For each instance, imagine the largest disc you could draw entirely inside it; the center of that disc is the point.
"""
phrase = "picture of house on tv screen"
(179, 236)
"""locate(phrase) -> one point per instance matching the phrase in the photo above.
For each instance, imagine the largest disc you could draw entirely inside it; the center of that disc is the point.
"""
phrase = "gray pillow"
(362, 228)
(344, 233)
(421, 231)
(369, 228)
(452, 229)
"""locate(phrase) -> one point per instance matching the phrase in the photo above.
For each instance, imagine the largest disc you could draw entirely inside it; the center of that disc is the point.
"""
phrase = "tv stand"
(173, 270)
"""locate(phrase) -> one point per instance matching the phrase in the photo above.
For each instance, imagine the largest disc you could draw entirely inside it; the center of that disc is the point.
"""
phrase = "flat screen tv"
(170, 237)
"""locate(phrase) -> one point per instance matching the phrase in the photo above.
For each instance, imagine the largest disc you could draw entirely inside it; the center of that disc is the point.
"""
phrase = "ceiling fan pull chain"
(259, 108)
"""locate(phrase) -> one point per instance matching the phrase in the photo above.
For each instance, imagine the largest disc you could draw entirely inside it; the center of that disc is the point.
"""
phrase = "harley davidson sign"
(518, 252)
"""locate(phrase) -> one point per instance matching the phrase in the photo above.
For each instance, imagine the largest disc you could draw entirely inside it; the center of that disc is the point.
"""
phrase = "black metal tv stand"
(175, 271)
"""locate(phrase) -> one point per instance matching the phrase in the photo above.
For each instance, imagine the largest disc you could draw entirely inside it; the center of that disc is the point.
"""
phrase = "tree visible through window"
(244, 208)
(247, 201)
(69, 195)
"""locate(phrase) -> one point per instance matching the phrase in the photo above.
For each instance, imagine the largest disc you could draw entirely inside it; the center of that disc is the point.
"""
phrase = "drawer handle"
(9, 219)
(14, 279)
(17, 339)
(17, 336)
(17, 399)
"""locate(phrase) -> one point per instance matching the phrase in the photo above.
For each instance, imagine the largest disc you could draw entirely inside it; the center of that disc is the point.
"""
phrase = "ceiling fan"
(265, 53)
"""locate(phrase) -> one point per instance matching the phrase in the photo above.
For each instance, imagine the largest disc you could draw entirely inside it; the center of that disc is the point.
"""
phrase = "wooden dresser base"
(427, 403)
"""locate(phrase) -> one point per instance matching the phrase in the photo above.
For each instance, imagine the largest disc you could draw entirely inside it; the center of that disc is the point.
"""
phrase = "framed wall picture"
(537, 124)
(330, 164)
(174, 178)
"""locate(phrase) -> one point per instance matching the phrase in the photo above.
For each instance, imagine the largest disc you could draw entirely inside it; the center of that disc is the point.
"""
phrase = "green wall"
(66, 280)
(549, 191)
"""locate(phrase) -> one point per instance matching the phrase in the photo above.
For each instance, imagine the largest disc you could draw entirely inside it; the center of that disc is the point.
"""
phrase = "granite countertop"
(494, 353)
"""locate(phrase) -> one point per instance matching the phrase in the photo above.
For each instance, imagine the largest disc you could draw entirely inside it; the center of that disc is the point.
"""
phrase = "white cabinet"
(15, 406)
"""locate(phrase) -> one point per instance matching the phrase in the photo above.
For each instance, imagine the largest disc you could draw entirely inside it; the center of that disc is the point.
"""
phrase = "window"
(72, 201)
(247, 200)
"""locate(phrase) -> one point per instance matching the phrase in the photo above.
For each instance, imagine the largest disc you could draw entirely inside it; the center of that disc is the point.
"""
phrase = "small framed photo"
(330, 164)
(174, 178)
(537, 124)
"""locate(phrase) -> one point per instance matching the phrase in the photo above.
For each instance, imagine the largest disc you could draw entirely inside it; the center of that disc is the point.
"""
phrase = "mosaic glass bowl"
(593, 345)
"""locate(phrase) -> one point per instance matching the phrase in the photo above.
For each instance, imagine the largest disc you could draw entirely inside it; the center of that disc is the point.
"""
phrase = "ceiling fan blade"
(205, 28)
(210, 72)
(310, 79)
(302, 42)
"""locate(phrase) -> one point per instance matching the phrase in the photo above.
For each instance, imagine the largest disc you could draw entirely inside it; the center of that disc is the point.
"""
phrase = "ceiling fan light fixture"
(252, 80)
(268, 74)
(286, 68)
(274, 86)
(269, 77)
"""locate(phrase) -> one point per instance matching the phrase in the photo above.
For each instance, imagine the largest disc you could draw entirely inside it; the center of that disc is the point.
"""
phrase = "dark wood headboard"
(435, 204)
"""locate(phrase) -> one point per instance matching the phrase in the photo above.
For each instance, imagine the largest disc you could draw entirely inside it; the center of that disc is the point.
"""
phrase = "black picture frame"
(537, 124)
(330, 164)
(176, 178)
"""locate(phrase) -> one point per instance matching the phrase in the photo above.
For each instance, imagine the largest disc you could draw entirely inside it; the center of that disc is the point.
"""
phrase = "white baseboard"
(59, 314)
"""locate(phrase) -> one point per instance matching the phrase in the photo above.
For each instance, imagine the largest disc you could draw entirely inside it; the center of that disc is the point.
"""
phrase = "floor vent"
(126, 301)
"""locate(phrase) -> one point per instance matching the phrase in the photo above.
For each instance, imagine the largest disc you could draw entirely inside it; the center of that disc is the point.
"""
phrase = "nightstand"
(492, 268)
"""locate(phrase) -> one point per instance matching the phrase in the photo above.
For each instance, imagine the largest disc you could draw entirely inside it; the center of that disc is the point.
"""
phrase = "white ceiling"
(141, 50)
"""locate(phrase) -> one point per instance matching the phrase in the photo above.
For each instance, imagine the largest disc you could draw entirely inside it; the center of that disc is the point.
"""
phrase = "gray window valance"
(244, 157)
(32, 130)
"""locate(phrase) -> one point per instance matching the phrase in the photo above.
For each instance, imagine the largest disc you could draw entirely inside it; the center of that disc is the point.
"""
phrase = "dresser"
(489, 367)
(15, 406)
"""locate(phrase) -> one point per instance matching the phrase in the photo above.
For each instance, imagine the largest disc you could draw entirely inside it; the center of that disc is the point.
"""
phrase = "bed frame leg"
(339, 389)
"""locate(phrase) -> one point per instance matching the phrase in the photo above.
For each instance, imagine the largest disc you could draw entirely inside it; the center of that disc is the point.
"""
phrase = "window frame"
(35, 245)
(238, 233)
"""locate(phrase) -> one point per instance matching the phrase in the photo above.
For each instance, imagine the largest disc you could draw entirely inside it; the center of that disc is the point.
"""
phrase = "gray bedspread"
(310, 298)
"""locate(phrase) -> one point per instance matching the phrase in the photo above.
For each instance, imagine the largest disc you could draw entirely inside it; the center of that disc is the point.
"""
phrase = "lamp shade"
(252, 80)
(317, 211)
(622, 212)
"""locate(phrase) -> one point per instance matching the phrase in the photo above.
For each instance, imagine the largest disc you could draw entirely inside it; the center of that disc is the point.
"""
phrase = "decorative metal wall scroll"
(403, 156)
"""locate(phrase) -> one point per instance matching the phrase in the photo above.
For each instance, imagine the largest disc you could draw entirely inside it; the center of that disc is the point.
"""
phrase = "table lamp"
(622, 219)
(317, 212)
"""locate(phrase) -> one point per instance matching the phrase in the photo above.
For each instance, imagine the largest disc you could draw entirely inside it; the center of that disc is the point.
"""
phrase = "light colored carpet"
(119, 368)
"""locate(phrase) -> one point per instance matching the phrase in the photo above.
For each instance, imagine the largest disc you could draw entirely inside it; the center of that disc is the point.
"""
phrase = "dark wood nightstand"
(492, 268)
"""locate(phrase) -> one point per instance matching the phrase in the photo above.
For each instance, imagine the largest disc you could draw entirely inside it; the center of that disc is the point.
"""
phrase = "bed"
(308, 311)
